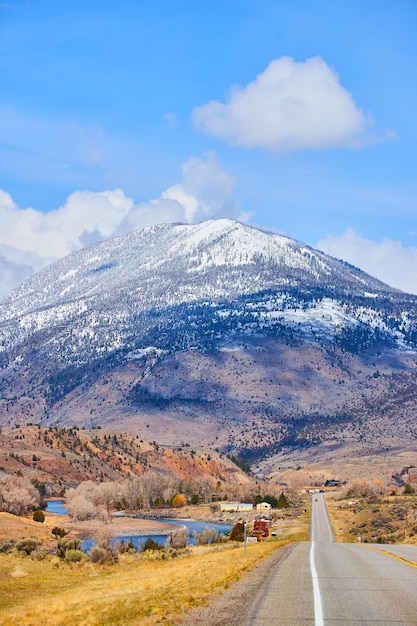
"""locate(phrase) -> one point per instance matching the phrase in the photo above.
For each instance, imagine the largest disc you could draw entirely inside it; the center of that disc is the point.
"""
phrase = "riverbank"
(14, 527)
(153, 522)
(118, 526)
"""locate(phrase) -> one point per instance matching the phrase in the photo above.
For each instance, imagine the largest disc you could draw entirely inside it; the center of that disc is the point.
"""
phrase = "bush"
(39, 516)
(104, 551)
(74, 556)
(102, 555)
(237, 532)
(57, 531)
(206, 536)
(28, 545)
(150, 544)
(178, 538)
(38, 555)
(7, 546)
(126, 547)
(67, 543)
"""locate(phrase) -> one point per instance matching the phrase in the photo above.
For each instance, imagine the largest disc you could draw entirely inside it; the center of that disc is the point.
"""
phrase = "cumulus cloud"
(204, 193)
(387, 260)
(289, 106)
(30, 239)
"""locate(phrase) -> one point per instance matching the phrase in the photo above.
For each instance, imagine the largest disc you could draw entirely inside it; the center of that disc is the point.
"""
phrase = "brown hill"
(299, 406)
(295, 405)
(65, 456)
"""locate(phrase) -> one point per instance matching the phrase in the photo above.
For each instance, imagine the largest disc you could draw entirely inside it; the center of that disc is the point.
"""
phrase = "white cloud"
(57, 233)
(204, 193)
(30, 239)
(289, 106)
(387, 260)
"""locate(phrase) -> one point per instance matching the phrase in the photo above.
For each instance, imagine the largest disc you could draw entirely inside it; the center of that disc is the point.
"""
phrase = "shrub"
(150, 544)
(39, 516)
(237, 532)
(102, 555)
(178, 538)
(28, 545)
(104, 551)
(74, 556)
(206, 536)
(57, 531)
(67, 543)
(97, 554)
(38, 555)
(7, 546)
(126, 547)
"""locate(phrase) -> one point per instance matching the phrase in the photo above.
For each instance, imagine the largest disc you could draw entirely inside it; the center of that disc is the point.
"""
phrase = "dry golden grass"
(14, 528)
(137, 590)
(381, 519)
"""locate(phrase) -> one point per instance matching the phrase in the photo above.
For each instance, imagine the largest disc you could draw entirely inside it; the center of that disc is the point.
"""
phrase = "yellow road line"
(395, 556)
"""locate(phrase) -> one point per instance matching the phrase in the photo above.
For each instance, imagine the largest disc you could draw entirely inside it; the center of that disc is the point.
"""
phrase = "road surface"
(323, 583)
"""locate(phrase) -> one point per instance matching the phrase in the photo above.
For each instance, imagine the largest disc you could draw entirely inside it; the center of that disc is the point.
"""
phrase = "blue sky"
(298, 117)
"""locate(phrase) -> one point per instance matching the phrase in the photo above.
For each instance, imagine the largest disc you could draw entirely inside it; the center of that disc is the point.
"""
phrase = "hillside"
(215, 335)
(64, 457)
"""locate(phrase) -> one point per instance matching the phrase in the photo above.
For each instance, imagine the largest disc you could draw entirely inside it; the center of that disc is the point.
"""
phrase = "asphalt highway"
(323, 583)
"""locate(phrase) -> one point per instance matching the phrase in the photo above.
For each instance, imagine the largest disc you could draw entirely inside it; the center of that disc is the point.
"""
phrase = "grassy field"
(142, 588)
(374, 518)
(139, 589)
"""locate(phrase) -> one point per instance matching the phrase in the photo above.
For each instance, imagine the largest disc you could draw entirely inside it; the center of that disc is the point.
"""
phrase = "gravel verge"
(232, 607)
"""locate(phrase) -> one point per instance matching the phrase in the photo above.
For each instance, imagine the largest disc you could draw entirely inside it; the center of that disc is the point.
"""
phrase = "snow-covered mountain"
(93, 298)
(133, 327)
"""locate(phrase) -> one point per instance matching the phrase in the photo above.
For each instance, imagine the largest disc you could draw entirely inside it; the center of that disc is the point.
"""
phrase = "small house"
(263, 507)
(229, 507)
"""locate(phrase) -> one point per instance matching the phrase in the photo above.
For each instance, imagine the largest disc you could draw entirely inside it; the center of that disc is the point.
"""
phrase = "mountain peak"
(217, 328)
(219, 257)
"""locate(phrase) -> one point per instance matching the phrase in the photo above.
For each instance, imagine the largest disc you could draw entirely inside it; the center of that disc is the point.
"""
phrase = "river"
(58, 507)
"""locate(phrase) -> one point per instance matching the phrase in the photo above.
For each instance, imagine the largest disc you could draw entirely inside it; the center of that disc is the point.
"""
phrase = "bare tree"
(177, 538)
(17, 495)
(133, 493)
(79, 501)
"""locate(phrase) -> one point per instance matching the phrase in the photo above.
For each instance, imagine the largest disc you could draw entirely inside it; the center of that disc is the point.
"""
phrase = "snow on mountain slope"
(190, 323)
(107, 297)
(142, 264)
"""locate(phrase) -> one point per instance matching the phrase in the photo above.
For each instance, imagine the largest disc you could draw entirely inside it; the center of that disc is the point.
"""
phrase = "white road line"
(318, 610)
